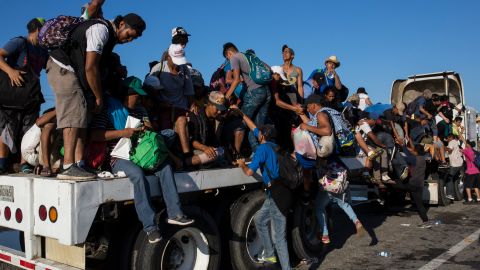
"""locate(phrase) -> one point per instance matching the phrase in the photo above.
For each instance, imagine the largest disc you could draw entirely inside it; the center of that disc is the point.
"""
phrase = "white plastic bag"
(122, 149)
(303, 143)
(30, 145)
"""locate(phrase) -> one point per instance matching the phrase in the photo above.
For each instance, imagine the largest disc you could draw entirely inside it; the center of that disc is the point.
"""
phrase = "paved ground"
(410, 246)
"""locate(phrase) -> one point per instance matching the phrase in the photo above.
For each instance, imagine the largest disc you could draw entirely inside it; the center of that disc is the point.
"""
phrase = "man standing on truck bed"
(74, 71)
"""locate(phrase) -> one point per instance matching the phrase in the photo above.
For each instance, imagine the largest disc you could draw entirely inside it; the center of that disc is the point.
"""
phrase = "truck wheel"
(458, 188)
(245, 244)
(196, 246)
(442, 192)
(304, 234)
(121, 245)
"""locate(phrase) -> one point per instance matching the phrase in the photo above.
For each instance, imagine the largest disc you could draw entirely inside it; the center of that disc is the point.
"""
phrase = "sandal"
(325, 239)
(46, 172)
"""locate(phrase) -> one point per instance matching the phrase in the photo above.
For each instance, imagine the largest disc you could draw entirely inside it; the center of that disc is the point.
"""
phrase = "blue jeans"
(322, 200)
(255, 106)
(270, 212)
(141, 191)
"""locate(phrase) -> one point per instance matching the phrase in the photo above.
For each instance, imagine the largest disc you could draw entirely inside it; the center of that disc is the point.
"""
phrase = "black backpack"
(290, 171)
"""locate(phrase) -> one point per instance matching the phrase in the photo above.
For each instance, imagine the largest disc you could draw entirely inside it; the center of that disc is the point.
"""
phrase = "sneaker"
(468, 202)
(425, 225)
(180, 220)
(154, 237)
(404, 174)
(75, 173)
(26, 168)
(268, 260)
(450, 197)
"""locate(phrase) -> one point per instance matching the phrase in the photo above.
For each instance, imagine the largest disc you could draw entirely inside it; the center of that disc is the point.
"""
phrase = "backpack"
(217, 81)
(260, 72)
(335, 179)
(476, 159)
(290, 171)
(55, 32)
(344, 137)
(148, 150)
(412, 107)
(21, 97)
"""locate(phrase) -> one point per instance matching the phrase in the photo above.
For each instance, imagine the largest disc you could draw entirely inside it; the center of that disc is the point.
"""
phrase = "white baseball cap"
(177, 53)
(279, 71)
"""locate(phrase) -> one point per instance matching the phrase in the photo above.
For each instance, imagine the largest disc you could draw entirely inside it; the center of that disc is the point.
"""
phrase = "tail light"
(18, 215)
(42, 212)
(52, 214)
(7, 213)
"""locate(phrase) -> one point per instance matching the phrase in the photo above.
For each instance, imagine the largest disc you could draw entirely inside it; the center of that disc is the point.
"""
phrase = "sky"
(376, 41)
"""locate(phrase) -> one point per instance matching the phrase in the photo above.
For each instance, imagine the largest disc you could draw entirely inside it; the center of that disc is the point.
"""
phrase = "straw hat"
(334, 60)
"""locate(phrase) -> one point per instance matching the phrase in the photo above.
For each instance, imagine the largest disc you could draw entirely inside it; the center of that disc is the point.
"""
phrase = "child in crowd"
(269, 216)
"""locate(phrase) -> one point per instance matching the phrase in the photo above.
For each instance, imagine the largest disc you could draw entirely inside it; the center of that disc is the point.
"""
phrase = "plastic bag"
(122, 149)
(30, 145)
(304, 144)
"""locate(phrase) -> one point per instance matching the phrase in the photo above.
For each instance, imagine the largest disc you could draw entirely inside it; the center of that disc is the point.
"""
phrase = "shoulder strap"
(266, 168)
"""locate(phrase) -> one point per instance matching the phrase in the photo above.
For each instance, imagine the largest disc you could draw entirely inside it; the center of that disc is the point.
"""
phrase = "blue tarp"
(376, 110)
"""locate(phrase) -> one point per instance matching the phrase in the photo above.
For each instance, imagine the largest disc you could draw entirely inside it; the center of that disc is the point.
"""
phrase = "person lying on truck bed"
(102, 130)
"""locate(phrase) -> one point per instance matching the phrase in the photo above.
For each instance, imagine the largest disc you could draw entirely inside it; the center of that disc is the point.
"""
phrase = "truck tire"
(305, 242)
(196, 246)
(245, 244)
(458, 188)
(442, 194)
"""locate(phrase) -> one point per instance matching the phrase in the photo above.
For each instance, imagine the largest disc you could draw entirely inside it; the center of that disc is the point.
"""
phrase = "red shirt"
(469, 158)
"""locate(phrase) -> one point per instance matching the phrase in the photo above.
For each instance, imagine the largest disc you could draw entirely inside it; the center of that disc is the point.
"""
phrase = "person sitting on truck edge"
(456, 164)
(319, 128)
(48, 123)
(13, 56)
(205, 134)
(265, 158)
(75, 75)
(102, 130)
(172, 83)
(373, 148)
(257, 97)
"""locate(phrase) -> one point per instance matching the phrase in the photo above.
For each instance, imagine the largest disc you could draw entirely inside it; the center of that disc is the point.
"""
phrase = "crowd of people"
(235, 120)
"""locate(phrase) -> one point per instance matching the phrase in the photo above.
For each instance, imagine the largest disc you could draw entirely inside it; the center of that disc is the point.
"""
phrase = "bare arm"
(375, 139)
(338, 83)
(246, 170)
(300, 82)
(323, 128)
(229, 77)
(280, 103)
(92, 72)
(422, 110)
(101, 135)
(236, 81)
(14, 75)
(250, 124)
(46, 118)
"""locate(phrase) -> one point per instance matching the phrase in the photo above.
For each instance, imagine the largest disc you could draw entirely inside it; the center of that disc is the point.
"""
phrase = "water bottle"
(385, 254)
(437, 222)
(220, 151)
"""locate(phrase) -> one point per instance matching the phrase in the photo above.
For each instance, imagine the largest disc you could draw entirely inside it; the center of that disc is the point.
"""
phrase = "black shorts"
(19, 121)
(472, 181)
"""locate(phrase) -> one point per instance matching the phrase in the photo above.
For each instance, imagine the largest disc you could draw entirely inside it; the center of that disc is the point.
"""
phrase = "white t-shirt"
(455, 156)
(363, 101)
(97, 38)
(364, 128)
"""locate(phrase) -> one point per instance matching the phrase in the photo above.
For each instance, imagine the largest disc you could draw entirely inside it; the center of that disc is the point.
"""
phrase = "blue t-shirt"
(265, 157)
(329, 82)
(421, 102)
(17, 55)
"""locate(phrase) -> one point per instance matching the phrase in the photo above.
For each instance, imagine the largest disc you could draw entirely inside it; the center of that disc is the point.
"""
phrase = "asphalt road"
(396, 231)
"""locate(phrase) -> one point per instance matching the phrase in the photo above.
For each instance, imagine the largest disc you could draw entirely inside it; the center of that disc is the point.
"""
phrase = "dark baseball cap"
(314, 98)
(268, 131)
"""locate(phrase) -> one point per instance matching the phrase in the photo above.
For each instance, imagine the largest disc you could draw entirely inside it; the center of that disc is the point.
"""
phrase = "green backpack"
(148, 150)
